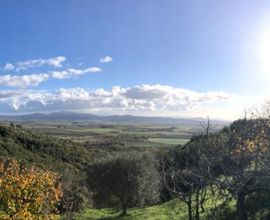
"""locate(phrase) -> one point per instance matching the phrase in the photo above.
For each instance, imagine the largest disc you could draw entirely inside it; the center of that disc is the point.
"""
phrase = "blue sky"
(173, 58)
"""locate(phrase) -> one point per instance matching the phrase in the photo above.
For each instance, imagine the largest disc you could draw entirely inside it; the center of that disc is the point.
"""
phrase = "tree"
(125, 181)
(28, 194)
(235, 161)
(192, 169)
(75, 194)
(207, 126)
(240, 167)
(247, 169)
(188, 175)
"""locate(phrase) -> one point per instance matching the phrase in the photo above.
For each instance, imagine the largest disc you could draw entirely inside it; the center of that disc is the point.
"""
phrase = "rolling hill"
(72, 116)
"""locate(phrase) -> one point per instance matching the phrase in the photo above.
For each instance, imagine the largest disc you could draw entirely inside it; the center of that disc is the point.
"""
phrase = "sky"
(152, 58)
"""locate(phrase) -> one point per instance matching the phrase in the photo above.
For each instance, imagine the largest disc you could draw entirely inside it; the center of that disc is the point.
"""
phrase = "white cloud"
(106, 59)
(139, 100)
(8, 66)
(9, 94)
(72, 94)
(73, 72)
(23, 81)
(54, 62)
(60, 74)
(168, 93)
(80, 72)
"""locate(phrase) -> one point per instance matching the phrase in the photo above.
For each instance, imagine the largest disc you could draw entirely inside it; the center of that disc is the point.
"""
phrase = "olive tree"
(124, 181)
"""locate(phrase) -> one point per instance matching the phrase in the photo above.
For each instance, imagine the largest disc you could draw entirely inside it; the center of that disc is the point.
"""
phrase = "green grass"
(172, 210)
(94, 130)
(169, 141)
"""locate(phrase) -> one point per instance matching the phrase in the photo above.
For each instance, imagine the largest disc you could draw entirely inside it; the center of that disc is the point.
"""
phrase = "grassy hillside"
(176, 210)
(29, 145)
(172, 210)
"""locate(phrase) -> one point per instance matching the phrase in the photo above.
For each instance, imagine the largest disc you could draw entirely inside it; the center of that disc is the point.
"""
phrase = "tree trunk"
(189, 210)
(189, 203)
(197, 214)
(203, 200)
(202, 207)
(240, 206)
(124, 210)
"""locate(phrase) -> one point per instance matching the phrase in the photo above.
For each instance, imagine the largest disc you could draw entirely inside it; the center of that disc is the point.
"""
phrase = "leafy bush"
(28, 194)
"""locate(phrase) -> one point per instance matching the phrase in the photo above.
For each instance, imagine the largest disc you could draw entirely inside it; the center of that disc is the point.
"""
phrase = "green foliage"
(125, 180)
(221, 161)
(31, 146)
(235, 161)
(75, 194)
(28, 146)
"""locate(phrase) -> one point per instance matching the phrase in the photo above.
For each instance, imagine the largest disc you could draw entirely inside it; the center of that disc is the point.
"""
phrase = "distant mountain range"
(72, 116)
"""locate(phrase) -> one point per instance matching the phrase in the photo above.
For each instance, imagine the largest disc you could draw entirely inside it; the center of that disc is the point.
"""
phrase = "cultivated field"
(129, 135)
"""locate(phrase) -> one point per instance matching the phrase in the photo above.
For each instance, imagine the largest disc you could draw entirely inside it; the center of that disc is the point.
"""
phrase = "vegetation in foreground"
(28, 194)
(216, 175)
(171, 210)
(125, 181)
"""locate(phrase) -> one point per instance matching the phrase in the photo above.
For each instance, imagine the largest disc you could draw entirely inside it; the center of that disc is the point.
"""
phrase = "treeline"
(217, 175)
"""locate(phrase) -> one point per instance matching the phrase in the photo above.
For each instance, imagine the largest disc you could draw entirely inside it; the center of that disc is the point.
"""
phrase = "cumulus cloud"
(73, 72)
(88, 70)
(168, 93)
(54, 62)
(19, 94)
(10, 94)
(23, 81)
(106, 59)
(60, 74)
(156, 99)
(8, 66)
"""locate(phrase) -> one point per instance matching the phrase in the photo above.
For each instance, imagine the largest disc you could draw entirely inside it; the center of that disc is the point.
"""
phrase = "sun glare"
(264, 53)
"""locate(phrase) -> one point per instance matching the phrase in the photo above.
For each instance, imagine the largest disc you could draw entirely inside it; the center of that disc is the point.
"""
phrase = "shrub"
(28, 193)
